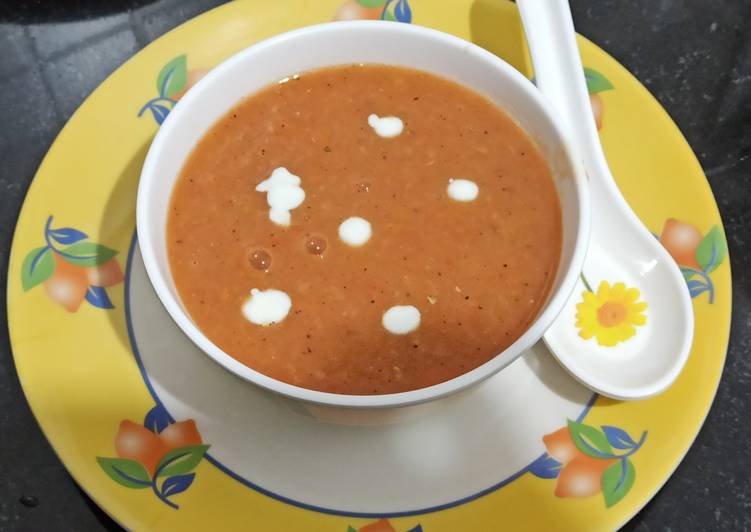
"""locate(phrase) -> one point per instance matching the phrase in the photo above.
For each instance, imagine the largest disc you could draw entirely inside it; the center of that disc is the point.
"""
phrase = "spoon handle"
(549, 30)
(550, 35)
(621, 249)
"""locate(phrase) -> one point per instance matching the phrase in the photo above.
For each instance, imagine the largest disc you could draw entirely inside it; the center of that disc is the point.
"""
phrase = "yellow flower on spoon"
(611, 314)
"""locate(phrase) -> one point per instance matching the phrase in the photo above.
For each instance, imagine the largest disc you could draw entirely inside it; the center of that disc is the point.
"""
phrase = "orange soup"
(364, 230)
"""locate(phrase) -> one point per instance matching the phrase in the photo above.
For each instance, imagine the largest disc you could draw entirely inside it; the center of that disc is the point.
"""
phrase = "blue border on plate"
(282, 498)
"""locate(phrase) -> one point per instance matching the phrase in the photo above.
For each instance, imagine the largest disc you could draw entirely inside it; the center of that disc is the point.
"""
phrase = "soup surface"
(420, 240)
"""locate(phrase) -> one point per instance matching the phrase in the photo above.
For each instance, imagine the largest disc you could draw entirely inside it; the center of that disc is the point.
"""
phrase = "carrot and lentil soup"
(364, 229)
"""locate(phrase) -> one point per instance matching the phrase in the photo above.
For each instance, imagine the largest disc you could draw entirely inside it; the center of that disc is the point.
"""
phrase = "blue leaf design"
(618, 438)
(177, 484)
(696, 287)
(688, 273)
(97, 296)
(403, 13)
(160, 112)
(67, 235)
(418, 528)
(545, 467)
(157, 419)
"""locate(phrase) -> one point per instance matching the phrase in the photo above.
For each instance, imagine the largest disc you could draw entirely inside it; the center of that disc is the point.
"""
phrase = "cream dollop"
(387, 126)
(266, 307)
(283, 193)
(401, 319)
(462, 190)
(355, 231)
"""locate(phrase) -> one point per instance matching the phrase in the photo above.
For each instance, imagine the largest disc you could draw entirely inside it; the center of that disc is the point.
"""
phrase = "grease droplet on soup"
(260, 259)
(316, 245)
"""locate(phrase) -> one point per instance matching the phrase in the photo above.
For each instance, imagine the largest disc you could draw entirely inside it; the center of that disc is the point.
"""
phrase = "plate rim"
(14, 251)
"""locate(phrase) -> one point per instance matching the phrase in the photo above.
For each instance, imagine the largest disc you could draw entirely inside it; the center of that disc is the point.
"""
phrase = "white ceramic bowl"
(347, 43)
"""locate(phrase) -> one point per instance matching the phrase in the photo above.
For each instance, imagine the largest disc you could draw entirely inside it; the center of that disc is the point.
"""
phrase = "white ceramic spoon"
(621, 249)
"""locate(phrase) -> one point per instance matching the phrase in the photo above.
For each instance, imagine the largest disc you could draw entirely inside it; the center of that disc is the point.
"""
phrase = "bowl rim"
(531, 335)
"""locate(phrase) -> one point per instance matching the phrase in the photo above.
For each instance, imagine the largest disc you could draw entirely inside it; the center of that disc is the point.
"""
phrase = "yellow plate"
(73, 337)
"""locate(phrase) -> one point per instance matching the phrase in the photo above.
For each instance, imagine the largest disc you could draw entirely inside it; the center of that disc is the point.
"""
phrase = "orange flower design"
(353, 10)
(393, 10)
(581, 477)
(105, 275)
(180, 434)
(580, 474)
(67, 285)
(681, 240)
(587, 460)
(560, 445)
(72, 268)
(193, 76)
(135, 442)
(138, 443)
(159, 454)
(697, 255)
(382, 525)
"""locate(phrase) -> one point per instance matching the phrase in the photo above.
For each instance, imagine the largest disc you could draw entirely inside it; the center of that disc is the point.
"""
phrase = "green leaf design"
(173, 77)
(371, 3)
(617, 481)
(128, 473)
(596, 82)
(351, 529)
(37, 267)
(590, 440)
(87, 254)
(181, 460)
(712, 250)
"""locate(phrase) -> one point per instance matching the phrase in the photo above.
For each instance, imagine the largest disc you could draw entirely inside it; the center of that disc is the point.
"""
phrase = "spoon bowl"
(626, 331)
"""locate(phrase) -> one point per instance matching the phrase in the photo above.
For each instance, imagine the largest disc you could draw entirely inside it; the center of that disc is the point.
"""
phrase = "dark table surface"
(693, 55)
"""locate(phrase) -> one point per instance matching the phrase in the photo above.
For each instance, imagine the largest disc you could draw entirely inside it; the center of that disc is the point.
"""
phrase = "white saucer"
(404, 461)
